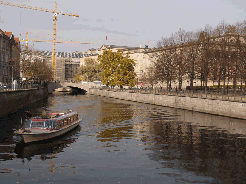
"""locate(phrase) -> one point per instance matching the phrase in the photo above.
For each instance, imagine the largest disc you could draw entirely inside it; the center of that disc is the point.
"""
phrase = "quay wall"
(11, 101)
(211, 106)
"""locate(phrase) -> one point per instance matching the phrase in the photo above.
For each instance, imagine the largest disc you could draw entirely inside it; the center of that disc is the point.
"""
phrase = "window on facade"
(7, 46)
(7, 57)
(3, 57)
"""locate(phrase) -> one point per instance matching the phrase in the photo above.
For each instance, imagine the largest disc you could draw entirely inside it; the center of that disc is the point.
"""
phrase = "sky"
(125, 23)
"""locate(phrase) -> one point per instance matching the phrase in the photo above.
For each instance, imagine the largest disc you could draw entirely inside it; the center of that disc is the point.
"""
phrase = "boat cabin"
(56, 121)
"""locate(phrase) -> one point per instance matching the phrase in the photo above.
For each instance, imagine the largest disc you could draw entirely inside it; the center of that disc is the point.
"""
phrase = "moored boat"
(50, 126)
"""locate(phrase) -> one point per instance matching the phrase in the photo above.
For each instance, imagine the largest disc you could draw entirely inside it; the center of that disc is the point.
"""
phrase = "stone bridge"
(85, 85)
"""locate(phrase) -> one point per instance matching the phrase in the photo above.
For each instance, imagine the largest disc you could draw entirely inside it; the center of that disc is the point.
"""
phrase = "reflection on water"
(48, 147)
(113, 122)
(127, 142)
(191, 146)
(44, 148)
(202, 150)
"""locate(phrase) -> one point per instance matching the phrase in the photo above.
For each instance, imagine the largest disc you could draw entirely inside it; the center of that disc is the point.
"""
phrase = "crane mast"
(54, 43)
(26, 46)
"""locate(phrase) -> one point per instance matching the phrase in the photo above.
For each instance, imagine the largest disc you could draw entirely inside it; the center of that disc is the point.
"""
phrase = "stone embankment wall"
(52, 86)
(11, 101)
(211, 106)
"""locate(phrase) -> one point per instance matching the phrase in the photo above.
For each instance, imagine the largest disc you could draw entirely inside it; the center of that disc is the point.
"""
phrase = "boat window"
(28, 123)
(50, 124)
(54, 123)
(37, 124)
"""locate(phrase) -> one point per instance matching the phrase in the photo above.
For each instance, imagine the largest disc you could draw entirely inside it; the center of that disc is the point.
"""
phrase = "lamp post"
(12, 78)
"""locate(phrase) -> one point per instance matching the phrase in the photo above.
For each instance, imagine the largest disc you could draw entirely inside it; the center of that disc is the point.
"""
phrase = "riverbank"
(223, 107)
(13, 100)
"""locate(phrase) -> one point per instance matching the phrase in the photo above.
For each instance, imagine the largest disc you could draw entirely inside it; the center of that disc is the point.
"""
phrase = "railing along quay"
(21, 87)
(238, 96)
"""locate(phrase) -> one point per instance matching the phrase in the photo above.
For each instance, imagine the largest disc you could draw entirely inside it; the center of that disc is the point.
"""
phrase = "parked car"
(3, 87)
(98, 82)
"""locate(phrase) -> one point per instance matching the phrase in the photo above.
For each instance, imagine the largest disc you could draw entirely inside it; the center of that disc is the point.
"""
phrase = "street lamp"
(10, 64)
(12, 77)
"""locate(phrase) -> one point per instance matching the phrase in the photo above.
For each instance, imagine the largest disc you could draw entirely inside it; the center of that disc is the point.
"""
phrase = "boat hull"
(47, 134)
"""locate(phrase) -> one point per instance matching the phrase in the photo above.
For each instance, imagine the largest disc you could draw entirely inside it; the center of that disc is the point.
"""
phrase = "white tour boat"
(55, 124)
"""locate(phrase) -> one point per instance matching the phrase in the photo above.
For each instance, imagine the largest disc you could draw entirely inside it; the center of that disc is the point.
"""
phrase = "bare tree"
(149, 77)
(216, 54)
(164, 68)
(33, 67)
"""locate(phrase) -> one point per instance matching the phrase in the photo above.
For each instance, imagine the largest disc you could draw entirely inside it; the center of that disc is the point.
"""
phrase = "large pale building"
(142, 59)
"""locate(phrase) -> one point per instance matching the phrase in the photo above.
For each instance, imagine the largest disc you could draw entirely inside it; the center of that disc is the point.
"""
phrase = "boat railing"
(52, 123)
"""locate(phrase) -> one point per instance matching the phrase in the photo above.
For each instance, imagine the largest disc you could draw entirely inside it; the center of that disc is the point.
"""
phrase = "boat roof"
(56, 116)
(66, 115)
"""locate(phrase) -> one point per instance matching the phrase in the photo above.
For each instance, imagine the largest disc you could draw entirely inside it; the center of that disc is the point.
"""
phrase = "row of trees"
(35, 68)
(210, 54)
(113, 69)
(90, 71)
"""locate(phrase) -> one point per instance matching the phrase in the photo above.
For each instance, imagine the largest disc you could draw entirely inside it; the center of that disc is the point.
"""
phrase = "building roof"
(6, 34)
(119, 47)
(58, 54)
(17, 40)
(9, 34)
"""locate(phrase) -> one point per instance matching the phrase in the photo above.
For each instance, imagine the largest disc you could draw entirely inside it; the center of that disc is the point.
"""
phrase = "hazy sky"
(125, 23)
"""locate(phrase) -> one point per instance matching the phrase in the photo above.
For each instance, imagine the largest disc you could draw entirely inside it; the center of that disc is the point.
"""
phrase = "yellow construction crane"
(26, 40)
(57, 41)
(55, 13)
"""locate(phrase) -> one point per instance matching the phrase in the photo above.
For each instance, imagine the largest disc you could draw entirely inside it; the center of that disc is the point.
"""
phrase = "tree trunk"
(224, 85)
(170, 85)
(179, 84)
(219, 83)
(206, 85)
(201, 82)
(167, 84)
(191, 83)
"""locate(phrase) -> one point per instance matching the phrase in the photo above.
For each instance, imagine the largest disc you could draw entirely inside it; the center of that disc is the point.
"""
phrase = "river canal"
(126, 142)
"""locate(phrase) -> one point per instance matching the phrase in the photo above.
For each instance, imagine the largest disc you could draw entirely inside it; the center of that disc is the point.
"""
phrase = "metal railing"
(239, 95)
(10, 87)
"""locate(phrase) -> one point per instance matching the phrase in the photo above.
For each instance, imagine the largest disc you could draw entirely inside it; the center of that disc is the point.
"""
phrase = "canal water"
(126, 142)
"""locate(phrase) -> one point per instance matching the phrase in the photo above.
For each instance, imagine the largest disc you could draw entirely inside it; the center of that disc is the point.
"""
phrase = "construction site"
(63, 64)
(67, 63)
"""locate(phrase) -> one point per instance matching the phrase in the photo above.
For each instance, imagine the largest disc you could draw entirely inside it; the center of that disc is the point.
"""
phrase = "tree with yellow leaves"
(117, 70)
